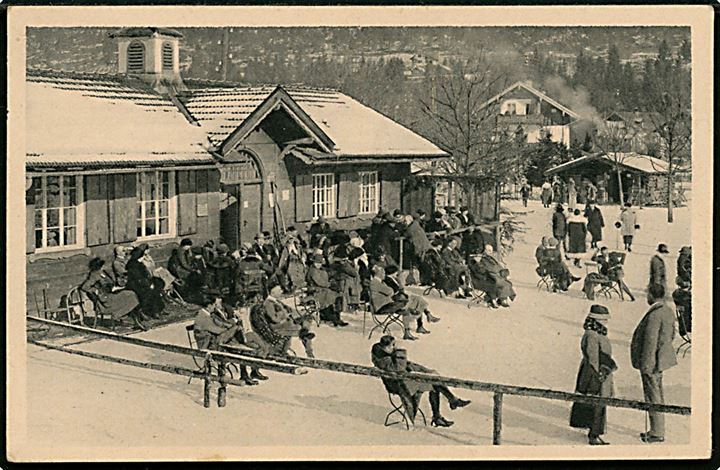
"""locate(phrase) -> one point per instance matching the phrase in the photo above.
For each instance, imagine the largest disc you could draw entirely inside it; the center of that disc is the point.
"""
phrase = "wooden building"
(643, 177)
(143, 156)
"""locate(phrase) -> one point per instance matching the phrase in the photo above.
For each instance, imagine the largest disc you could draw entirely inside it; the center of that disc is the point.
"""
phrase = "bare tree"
(459, 119)
(669, 104)
(614, 139)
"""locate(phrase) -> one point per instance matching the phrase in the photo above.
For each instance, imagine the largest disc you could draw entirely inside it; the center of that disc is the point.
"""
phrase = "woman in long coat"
(572, 195)
(595, 375)
(628, 225)
(595, 223)
(291, 267)
(98, 286)
(141, 281)
(577, 231)
(498, 274)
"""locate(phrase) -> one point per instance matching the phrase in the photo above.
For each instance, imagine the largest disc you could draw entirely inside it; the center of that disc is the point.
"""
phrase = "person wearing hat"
(419, 242)
(434, 270)
(222, 270)
(497, 273)
(118, 266)
(560, 226)
(461, 280)
(319, 232)
(595, 376)
(437, 223)
(328, 300)
(453, 219)
(421, 218)
(595, 223)
(387, 357)
(385, 301)
(141, 281)
(291, 265)
(260, 248)
(181, 263)
(560, 273)
(287, 322)
(466, 217)
(658, 273)
(525, 191)
(577, 232)
(652, 353)
(415, 303)
(628, 225)
(99, 289)
(345, 278)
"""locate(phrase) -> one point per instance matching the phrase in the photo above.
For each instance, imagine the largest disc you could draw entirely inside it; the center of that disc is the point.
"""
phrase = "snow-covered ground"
(536, 342)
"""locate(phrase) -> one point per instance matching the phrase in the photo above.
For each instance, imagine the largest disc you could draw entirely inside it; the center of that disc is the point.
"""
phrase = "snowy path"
(533, 343)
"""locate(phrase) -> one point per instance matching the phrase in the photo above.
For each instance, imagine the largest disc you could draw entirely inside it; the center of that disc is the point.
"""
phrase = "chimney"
(152, 55)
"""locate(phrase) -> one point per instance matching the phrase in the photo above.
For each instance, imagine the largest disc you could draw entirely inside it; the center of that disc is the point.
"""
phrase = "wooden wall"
(110, 212)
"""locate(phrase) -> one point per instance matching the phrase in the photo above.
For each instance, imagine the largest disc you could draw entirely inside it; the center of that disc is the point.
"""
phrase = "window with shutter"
(58, 213)
(167, 56)
(136, 57)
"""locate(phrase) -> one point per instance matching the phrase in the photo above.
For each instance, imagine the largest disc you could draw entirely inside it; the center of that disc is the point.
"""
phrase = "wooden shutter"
(124, 207)
(389, 192)
(303, 198)
(97, 220)
(187, 202)
(30, 217)
(348, 195)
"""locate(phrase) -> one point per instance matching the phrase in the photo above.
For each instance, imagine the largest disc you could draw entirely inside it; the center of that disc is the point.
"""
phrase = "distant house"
(523, 107)
(639, 129)
(143, 156)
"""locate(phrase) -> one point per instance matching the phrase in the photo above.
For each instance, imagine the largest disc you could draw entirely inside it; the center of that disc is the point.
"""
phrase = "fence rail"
(297, 365)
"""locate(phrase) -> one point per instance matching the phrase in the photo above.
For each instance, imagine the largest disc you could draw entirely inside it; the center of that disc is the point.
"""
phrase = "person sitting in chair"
(387, 357)
(460, 280)
(386, 301)
(415, 304)
(99, 288)
(215, 325)
(118, 266)
(345, 278)
(285, 321)
(434, 270)
(554, 265)
(329, 301)
(497, 273)
(181, 263)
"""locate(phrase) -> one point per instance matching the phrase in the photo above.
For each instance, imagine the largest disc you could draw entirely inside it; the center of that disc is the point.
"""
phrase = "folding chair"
(190, 330)
(684, 329)
(306, 305)
(400, 409)
(546, 279)
(77, 306)
(387, 322)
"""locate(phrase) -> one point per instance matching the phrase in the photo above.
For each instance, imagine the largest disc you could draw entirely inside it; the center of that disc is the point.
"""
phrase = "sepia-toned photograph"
(348, 233)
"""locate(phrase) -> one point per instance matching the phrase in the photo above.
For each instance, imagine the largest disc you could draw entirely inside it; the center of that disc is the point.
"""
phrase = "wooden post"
(222, 373)
(497, 418)
(208, 382)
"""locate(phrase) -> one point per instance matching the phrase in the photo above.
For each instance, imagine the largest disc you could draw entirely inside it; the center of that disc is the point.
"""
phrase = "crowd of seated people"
(610, 270)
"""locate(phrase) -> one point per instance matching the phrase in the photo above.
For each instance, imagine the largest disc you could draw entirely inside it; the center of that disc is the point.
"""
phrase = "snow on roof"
(136, 32)
(632, 160)
(356, 129)
(102, 120)
(535, 92)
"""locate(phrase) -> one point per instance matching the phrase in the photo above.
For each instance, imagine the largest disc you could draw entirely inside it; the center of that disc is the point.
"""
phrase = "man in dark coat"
(386, 235)
(652, 353)
(418, 239)
(285, 321)
(387, 357)
(437, 223)
(473, 242)
(181, 263)
(595, 223)
(433, 269)
(559, 226)
(466, 217)
(658, 273)
(385, 301)
(458, 268)
(319, 233)
(329, 300)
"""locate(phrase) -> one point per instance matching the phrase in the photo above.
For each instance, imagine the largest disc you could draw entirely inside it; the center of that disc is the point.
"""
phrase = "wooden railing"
(298, 365)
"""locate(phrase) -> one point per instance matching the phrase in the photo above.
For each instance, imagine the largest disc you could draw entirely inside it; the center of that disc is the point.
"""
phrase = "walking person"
(577, 232)
(572, 195)
(652, 353)
(546, 194)
(525, 191)
(559, 227)
(595, 376)
(595, 223)
(628, 225)
(658, 272)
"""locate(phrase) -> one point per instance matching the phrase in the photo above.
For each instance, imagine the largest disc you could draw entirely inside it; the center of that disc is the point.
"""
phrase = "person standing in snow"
(595, 376)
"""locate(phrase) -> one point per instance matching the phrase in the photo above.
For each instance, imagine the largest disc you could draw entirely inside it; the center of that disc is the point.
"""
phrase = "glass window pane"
(38, 239)
(165, 191)
(164, 226)
(149, 227)
(53, 237)
(69, 216)
(69, 182)
(38, 219)
(53, 192)
(39, 194)
(164, 208)
(139, 210)
(149, 210)
(53, 217)
(69, 197)
(70, 236)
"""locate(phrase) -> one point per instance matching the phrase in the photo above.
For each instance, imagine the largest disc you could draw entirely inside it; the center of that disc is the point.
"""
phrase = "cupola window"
(167, 56)
(136, 57)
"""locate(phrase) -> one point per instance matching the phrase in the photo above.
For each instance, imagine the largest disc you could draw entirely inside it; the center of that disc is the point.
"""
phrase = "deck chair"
(684, 329)
(546, 280)
(306, 305)
(78, 306)
(190, 330)
(398, 406)
(384, 323)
